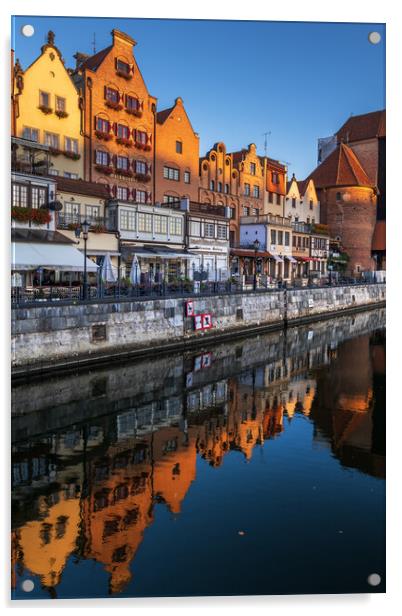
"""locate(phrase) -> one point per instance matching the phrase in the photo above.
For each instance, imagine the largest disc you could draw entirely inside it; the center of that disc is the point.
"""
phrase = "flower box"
(104, 136)
(142, 177)
(135, 112)
(123, 141)
(126, 172)
(107, 169)
(55, 151)
(45, 110)
(72, 155)
(127, 76)
(99, 228)
(61, 114)
(114, 105)
(143, 146)
(27, 214)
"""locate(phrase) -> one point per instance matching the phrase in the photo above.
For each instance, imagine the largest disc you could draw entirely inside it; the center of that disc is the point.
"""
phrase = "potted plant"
(45, 109)
(124, 141)
(106, 169)
(27, 214)
(135, 112)
(114, 105)
(105, 136)
(61, 114)
(72, 155)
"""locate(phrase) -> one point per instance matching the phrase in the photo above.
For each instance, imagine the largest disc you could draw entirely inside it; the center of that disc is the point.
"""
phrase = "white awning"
(60, 257)
(277, 259)
(291, 259)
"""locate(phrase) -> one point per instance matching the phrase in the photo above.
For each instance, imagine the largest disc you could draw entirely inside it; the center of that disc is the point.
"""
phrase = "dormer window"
(123, 69)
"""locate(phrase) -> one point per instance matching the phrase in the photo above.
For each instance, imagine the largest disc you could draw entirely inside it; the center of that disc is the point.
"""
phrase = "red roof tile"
(360, 127)
(379, 236)
(94, 61)
(341, 168)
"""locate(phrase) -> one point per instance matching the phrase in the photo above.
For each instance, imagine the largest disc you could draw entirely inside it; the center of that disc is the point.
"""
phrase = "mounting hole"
(374, 579)
(28, 30)
(27, 585)
(374, 38)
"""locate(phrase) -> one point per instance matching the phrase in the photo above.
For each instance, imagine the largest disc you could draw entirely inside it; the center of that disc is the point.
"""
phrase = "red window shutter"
(95, 122)
(135, 134)
(115, 63)
(109, 126)
(133, 164)
(150, 138)
(115, 128)
(134, 193)
(149, 168)
(128, 194)
(123, 97)
(105, 91)
(114, 190)
(114, 160)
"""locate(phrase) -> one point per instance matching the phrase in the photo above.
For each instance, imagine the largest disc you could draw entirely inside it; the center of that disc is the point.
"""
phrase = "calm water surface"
(253, 467)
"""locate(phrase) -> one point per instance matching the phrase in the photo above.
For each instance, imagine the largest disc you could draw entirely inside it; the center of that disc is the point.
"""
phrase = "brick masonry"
(41, 335)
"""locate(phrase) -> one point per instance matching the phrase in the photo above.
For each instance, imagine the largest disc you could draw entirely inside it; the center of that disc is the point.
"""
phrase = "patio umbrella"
(107, 272)
(134, 271)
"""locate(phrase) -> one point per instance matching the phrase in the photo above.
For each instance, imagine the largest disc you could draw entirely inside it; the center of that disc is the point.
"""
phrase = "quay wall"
(82, 333)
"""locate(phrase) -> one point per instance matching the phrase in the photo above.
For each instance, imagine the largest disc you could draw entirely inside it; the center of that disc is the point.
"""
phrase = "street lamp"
(256, 247)
(85, 229)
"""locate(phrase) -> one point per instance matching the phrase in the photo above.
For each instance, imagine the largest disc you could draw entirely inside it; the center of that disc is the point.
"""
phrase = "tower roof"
(360, 127)
(341, 168)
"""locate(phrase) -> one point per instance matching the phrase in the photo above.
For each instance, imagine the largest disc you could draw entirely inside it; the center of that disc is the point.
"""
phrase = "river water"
(255, 466)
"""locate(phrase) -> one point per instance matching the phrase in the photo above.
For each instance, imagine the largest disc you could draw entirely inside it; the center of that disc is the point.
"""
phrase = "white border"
(293, 10)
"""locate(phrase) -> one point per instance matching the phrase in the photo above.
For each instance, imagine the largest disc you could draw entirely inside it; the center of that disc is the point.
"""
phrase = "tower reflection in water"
(88, 491)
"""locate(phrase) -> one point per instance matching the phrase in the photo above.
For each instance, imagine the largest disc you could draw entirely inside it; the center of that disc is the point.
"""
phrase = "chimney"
(185, 204)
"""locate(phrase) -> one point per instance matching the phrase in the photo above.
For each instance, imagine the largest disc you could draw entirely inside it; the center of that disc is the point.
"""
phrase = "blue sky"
(240, 79)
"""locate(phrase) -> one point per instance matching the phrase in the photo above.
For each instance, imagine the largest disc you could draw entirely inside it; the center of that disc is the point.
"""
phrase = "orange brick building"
(251, 170)
(119, 121)
(177, 155)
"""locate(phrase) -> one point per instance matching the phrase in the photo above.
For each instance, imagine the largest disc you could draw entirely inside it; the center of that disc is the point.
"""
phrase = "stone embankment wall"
(42, 335)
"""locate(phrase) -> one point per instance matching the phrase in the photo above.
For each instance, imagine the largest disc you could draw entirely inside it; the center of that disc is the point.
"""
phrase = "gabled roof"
(93, 62)
(341, 168)
(302, 186)
(163, 115)
(80, 187)
(360, 127)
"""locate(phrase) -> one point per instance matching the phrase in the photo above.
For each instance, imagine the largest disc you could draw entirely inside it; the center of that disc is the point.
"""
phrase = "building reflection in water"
(89, 491)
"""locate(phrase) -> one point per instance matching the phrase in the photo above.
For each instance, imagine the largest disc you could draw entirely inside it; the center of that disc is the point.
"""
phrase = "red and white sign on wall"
(206, 320)
(189, 308)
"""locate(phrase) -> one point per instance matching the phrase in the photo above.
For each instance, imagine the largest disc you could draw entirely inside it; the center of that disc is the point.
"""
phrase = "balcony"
(29, 157)
(70, 222)
(264, 219)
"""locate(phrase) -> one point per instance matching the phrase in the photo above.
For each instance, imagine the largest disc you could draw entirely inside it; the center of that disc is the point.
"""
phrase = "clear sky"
(240, 79)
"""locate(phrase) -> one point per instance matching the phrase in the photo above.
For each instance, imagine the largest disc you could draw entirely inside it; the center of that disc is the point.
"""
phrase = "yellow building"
(46, 109)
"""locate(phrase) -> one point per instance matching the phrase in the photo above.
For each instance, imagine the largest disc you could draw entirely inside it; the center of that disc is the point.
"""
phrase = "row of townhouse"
(94, 134)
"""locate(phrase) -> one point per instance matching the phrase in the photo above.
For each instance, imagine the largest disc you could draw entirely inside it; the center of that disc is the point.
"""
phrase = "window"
(170, 199)
(313, 221)
(294, 241)
(53, 172)
(222, 232)
(311, 204)
(102, 125)
(308, 220)
(112, 95)
(293, 202)
(52, 140)
(275, 177)
(141, 196)
(127, 220)
(144, 221)
(256, 191)
(212, 185)
(195, 228)
(209, 229)
(20, 195)
(273, 236)
(252, 168)
(179, 147)
(122, 193)
(232, 212)
(220, 187)
(247, 189)
(60, 103)
(271, 197)
(141, 137)
(123, 131)
(140, 167)
(246, 211)
(307, 242)
(71, 145)
(176, 226)
(38, 196)
(296, 219)
(287, 238)
(160, 224)
(226, 189)
(30, 133)
(71, 176)
(256, 211)
(280, 238)
(187, 177)
(132, 103)
(123, 67)
(44, 99)
(122, 163)
(169, 173)
(102, 158)
(338, 196)
(278, 199)
(92, 212)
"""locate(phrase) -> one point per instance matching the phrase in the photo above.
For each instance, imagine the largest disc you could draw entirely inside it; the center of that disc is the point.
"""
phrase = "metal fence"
(58, 294)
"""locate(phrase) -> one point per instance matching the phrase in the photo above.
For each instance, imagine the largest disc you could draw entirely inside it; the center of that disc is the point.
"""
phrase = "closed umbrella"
(107, 272)
(134, 271)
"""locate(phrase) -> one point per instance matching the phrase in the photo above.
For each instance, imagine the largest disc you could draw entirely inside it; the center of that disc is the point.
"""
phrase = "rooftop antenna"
(265, 135)
(94, 43)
